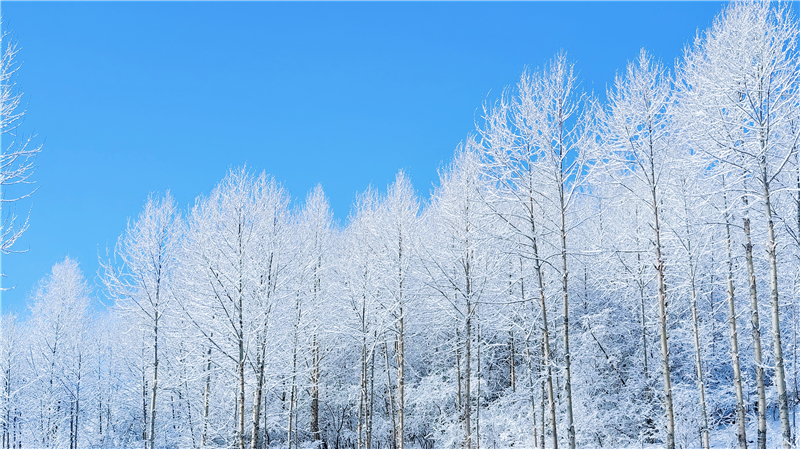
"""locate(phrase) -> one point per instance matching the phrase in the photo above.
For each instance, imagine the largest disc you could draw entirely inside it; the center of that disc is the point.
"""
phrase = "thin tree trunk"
(741, 434)
(391, 394)
(293, 393)
(78, 401)
(7, 403)
(756, 328)
(371, 395)
(565, 293)
(144, 401)
(467, 402)
(641, 302)
(240, 400)
(478, 395)
(188, 406)
(315, 357)
(512, 375)
(291, 413)
(794, 302)
(71, 425)
(532, 385)
(701, 385)
(206, 399)
(545, 340)
(662, 312)
(401, 383)
(401, 380)
(258, 392)
(529, 358)
(315, 435)
(543, 368)
(362, 397)
(459, 392)
(780, 374)
(155, 379)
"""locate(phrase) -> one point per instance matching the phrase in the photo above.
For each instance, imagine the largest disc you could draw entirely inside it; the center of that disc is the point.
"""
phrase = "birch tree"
(555, 116)
(360, 283)
(638, 140)
(270, 266)
(139, 279)
(316, 221)
(461, 263)
(397, 233)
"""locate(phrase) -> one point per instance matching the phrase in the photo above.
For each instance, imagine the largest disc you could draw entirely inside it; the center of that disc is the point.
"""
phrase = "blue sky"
(132, 98)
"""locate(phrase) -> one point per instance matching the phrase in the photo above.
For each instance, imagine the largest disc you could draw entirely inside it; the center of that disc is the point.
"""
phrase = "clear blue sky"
(133, 98)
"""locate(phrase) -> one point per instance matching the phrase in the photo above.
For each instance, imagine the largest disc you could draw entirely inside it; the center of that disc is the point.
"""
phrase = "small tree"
(59, 314)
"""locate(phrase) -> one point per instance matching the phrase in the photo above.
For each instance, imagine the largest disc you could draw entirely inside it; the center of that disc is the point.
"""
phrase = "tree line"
(586, 272)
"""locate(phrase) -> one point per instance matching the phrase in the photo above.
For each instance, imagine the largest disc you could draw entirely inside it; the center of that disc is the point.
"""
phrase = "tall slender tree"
(139, 276)
(638, 137)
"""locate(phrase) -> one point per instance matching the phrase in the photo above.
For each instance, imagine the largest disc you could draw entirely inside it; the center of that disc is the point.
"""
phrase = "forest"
(615, 272)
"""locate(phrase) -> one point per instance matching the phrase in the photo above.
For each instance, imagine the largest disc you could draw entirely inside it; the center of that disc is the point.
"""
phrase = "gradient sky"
(133, 98)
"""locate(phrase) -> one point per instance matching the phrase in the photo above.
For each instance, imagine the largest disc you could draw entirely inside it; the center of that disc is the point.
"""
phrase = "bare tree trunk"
(144, 400)
(71, 425)
(543, 368)
(78, 400)
(780, 381)
(565, 293)
(459, 392)
(362, 397)
(391, 394)
(240, 402)
(741, 434)
(529, 358)
(258, 392)
(641, 286)
(188, 405)
(240, 396)
(467, 402)
(239, 309)
(532, 386)
(155, 379)
(291, 413)
(756, 328)
(371, 397)
(401, 380)
(794, 302)
(315, 358)
(512, 375)
(662, 312)
(293, 393)
(701, 385)
(546, 341)
(206, 399)
(315, 435)
(478, 395)
(6, 443)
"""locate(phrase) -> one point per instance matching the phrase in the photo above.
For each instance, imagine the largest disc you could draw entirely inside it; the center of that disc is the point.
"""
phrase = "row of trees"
(574, 279)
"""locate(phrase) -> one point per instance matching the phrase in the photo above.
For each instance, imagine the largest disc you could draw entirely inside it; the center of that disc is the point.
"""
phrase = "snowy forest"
(588, 272)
